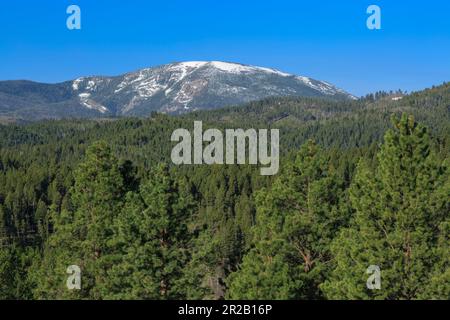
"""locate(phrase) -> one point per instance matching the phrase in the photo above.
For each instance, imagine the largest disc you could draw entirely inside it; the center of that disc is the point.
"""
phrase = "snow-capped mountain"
(171, 88)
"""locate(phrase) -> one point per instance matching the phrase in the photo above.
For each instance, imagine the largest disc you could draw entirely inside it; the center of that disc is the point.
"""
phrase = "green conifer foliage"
(296, 221)
(153, 239)
(401, 223)
(83, 235)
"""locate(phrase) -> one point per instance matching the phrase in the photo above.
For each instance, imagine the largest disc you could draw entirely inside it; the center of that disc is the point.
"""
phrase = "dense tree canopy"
(353, 191)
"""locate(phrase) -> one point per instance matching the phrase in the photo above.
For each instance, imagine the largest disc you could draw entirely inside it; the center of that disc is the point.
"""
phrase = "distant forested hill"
(366, 116)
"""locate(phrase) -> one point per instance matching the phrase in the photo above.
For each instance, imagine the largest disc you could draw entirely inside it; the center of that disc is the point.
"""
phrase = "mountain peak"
(190, 85)
(230, 67)
(171, 88)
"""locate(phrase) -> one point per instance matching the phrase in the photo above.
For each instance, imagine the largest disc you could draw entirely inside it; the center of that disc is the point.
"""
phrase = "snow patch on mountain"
(186, 86)
(239, 68)
(85, 100)
(76, 83)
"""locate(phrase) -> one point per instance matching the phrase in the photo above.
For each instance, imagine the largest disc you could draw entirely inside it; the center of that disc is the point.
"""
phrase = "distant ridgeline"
(359, 123)
(104, 195)
(174, 88)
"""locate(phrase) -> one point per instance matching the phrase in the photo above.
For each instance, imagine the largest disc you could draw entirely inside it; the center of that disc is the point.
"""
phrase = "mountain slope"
(172, 88)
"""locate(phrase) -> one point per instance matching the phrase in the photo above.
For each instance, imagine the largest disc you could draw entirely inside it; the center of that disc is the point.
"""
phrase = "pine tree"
(83, 235)
(296, 222)
(6, 273)
(153, 237)
(264, 274)
(401, 223)
(14, 265)
(203, 276)
(42, 220)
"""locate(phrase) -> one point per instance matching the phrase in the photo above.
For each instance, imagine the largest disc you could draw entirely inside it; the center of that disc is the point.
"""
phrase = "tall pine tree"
(296, 222)
(153, 238)
(401, 223)
(83, 235)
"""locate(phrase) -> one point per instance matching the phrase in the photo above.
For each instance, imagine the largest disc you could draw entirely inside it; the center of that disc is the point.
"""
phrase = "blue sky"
(326, 40)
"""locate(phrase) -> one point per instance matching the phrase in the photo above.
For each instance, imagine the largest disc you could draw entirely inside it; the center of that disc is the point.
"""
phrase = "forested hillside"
(362, 183)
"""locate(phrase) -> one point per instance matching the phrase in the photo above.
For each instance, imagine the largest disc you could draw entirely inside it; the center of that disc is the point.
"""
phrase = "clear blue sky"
(326, 40)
